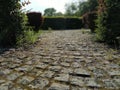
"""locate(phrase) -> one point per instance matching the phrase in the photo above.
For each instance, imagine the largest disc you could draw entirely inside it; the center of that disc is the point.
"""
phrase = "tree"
(70, 9)
(49, 12)
(92, 5)
(89, 14)
(82, 8)
(58, 14)
(88, 20)
(87, 6)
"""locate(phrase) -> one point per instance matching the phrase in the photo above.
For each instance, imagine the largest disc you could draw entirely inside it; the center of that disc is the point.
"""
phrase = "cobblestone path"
(61, 60)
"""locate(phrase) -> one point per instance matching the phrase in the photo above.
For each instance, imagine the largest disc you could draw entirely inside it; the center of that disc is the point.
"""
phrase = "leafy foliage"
(12, 22)
(81, 7)
(59, 14)
(71, 9)
(92, 5)
(108, 22)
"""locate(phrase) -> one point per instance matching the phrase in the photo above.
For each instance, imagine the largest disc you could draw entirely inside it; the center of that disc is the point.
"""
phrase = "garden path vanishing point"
(61, 60)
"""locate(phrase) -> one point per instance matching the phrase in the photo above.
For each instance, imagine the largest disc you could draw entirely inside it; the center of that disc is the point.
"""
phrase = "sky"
(41, 5)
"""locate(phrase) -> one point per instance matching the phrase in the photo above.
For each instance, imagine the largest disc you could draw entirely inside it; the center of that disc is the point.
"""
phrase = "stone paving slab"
(61, 60)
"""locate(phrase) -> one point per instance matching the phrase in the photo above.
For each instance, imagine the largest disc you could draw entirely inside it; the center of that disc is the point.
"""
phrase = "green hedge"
(59, 23)
(12, 22)
(108, 22)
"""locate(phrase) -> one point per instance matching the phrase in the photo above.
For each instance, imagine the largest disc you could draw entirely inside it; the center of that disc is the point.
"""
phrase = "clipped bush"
(108, 22)
(35, 20)
(59, 23)
(88, 20)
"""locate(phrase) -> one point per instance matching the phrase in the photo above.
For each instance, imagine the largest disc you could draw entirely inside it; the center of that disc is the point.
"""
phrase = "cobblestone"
(56, 86)
(78, 81)
(62, 77)
(91, 82)
(61, 60)
(81, 72)
(25, 80)
(39, 83)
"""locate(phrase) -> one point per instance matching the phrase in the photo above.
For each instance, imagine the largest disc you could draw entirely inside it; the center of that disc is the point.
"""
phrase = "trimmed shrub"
(108, 22)
(35, 20)
(88, 20)
(54, 23)
(59, 23)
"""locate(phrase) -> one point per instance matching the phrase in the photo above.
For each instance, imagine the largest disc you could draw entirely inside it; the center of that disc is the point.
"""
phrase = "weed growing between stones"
(29, 37)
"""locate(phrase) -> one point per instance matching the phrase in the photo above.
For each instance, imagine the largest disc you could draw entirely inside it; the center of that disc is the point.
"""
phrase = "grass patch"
(28, 37)
(31, 36)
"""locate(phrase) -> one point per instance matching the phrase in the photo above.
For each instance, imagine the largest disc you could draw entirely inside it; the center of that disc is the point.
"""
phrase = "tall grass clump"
(29, 37)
